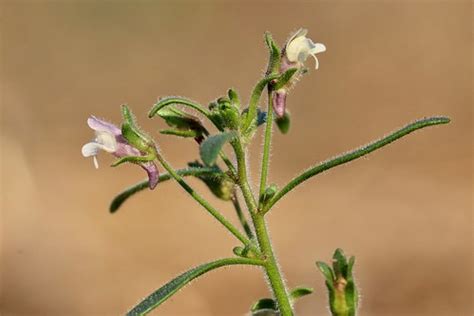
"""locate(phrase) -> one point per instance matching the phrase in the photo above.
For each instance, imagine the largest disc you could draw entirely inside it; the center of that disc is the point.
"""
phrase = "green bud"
(234, 98)
(343, 296)
(283, 122)
(230, 115)
(269, 193)
(220, 184)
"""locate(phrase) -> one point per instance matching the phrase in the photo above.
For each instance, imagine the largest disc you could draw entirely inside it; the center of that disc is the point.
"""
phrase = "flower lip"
(299, 48)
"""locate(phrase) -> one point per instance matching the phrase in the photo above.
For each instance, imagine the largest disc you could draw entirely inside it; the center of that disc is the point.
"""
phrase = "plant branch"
(231, 228)
(357, 153)
(241, 216)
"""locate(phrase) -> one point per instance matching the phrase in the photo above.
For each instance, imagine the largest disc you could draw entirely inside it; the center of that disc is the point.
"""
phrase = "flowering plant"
(228, 179)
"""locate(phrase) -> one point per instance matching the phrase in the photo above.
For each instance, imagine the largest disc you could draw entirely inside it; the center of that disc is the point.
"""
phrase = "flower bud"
(283, 122)
(220, 184)
(343, 296)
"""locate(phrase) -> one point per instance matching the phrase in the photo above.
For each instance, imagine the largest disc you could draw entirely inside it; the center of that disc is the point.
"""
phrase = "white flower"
(299, 47)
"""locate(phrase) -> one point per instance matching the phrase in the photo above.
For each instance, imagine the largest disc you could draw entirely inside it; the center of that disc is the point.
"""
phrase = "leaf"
(299, 292)
(264, 304)
(176, 100)
(354, 154)
(327, 272)
(169, 289)
(180, 133)
(339, 263)
(123, 196)
(285, 78)
(274, 54)
(211, 147)
(251, 117)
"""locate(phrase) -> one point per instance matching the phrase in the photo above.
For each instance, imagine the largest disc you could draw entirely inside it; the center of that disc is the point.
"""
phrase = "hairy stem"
(270, 263)
(266, 145)
(357, 153)
(234, 231)
(241, 216)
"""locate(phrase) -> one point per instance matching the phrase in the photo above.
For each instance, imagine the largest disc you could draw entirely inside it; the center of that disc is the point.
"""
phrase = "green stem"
(242, 173)
(271, 267)
(266, 145)
(205, 204)
(272, 270)
(357, 153)
(241, 216)
(123, 196)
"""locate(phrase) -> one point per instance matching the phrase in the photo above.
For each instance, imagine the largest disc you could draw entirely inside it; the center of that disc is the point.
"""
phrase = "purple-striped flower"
(109, 138)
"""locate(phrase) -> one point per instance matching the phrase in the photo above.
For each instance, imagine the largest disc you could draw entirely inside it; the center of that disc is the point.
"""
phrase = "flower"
(294, 55)
(109, 138)
(299, 48)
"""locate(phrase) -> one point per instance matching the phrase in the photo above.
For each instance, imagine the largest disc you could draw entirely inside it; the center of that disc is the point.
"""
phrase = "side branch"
(357, 153)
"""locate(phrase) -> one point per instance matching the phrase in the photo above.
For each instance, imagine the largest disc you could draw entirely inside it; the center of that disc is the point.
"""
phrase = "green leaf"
(350, 265)
(285, 78)
(264, 304)
(181, 120)
(274, 54)
(352, 155)
(283, 122)
(299, 292)
(251, 116)
(327, 273)
(339, 263)
(211, 147)
(176, 100)
(166, 291)
(123, 196)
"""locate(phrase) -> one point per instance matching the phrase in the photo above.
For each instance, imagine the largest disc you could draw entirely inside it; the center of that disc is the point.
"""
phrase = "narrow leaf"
(264, 304)
(254, 100)
(352, 155)
(166, 291)
(299, 292)
(176, 100)
(326, 271)
(123, 196)
(211, 147)
(274, 54)
(339, 263)
(285, 78)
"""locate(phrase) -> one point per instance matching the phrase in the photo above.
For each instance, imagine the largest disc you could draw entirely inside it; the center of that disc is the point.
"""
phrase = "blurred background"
(404, 211)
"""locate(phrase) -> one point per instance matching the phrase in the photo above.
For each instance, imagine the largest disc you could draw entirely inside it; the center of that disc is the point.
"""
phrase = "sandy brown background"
(405, 211)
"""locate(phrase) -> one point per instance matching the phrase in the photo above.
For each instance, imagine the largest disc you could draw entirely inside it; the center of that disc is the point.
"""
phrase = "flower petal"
(103, 126)
(318, 48)
(279, 102)
(90, 149)
(153, 174)
(107, 140)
